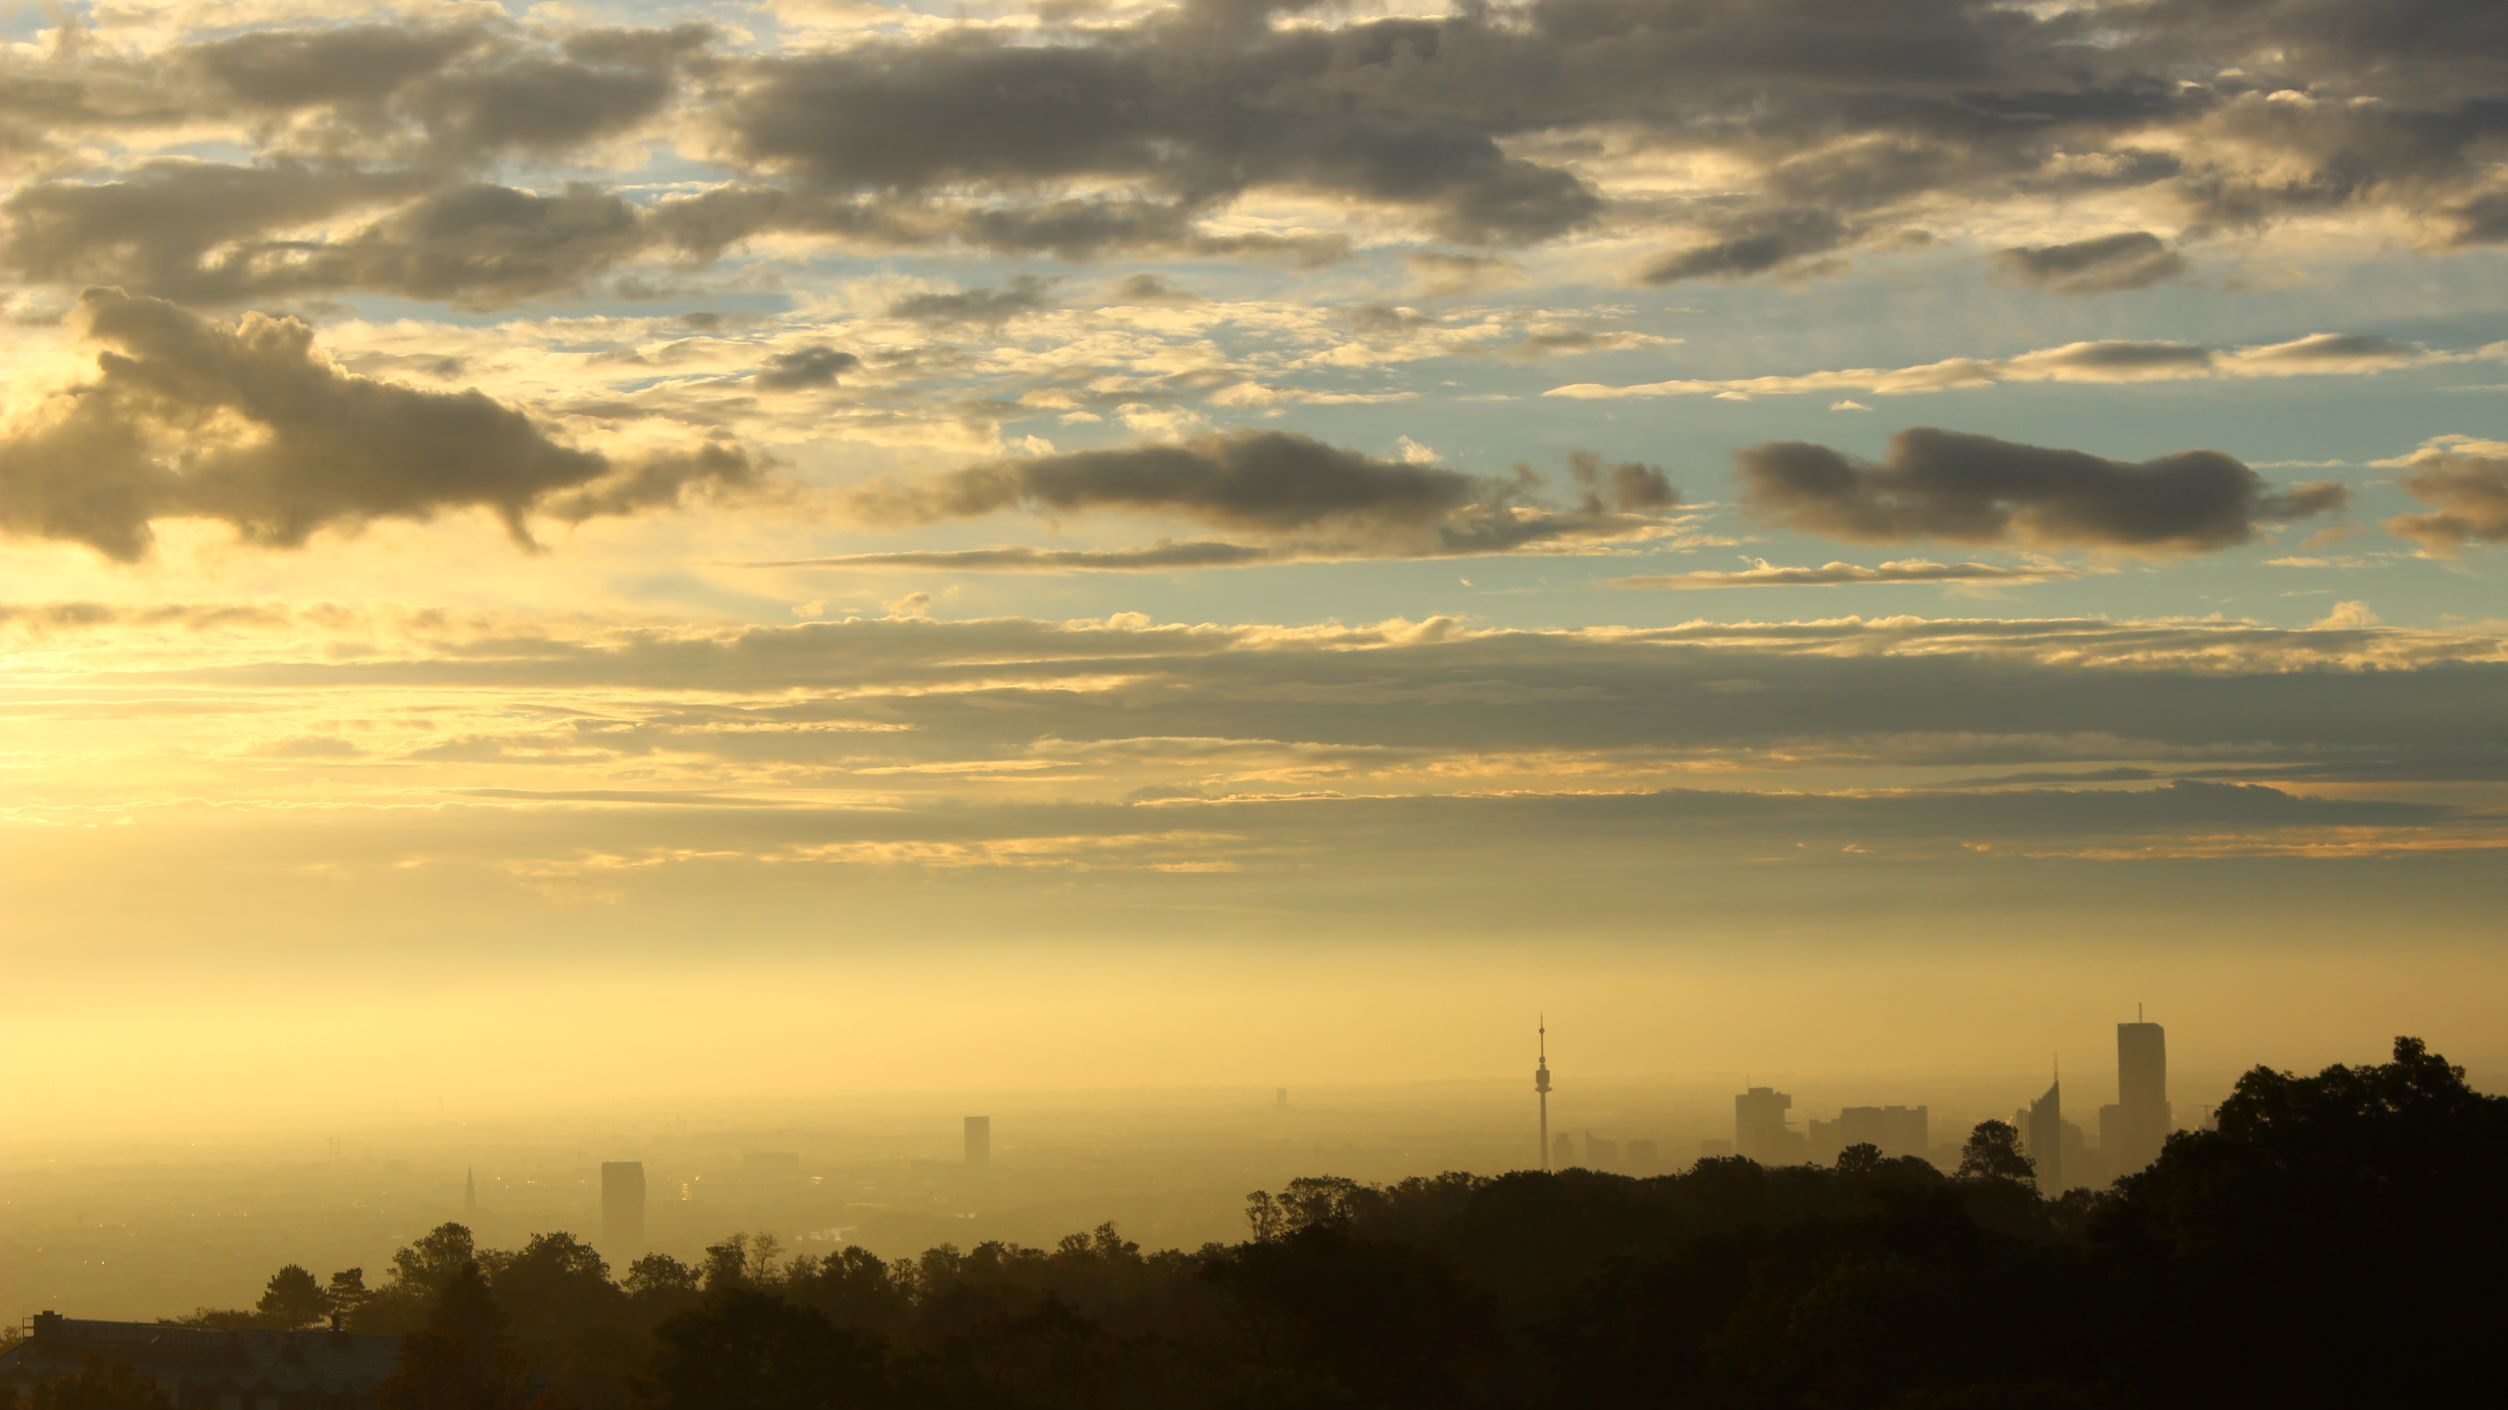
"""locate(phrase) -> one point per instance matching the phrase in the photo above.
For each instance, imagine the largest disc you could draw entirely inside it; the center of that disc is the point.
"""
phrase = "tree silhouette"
(292, 1299)
(94, 1386)
(1861, 1158)
(2313, 1249)
(1992, 1152)
(463, 1359)
(747, 1348)
(346, 1292)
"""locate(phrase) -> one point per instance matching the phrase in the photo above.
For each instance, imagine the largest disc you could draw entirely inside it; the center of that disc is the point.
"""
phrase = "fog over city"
(1270, 704)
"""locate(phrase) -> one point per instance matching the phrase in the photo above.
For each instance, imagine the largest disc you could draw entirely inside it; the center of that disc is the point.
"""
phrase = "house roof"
(239, 1357)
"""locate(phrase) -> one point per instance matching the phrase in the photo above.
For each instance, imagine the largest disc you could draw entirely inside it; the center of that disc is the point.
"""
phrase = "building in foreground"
(206, 1368)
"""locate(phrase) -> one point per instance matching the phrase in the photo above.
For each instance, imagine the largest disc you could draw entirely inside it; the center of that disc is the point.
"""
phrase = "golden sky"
(608, 552)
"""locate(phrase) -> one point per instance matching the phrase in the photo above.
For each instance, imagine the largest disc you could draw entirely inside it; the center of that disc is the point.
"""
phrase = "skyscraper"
(622, 1209)
(2042, 1130)
(2142, 1120)
(979, 1142)
(1759, 1129)
(1541, 1082)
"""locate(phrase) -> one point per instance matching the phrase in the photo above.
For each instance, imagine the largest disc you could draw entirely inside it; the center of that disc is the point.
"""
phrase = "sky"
(613, 553)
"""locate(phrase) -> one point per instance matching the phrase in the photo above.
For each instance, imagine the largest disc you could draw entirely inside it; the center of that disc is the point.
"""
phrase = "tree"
(658, 1275)
(429, 1264)
(1993, 1152)
(96, 1386)
(751, 1349)
(346, 1293)
(1861, 1158)
(463, 1359)
(292, 1299)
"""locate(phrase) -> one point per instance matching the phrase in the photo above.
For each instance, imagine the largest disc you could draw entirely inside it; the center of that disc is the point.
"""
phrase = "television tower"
(1541, 1085)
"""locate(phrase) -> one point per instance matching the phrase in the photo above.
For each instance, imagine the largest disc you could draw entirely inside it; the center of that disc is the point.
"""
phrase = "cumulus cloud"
(1024, 294)
(204, 232)
(1914, 570)
(1294, 490)
(817, 365)
(1773, 240)
(1826, 125)
(2107, 264)
(1938, 484)
(2466, 482)
(247, 423)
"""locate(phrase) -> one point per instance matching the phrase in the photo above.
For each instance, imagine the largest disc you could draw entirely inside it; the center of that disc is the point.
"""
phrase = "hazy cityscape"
(1252, 704)
(168, 1235)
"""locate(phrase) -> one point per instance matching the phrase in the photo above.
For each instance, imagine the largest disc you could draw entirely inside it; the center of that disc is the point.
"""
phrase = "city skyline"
(973, 551)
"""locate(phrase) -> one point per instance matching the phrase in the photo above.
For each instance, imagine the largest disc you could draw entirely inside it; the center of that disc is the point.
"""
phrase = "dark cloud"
(1199, 123)
(1160, 556)
(344, 65)
(449, 95)
(197, 232)
(2345, 350)
(1774, 240)
(991, 308)
(1319, 498)
(1840, 122)
(1626, 486)
(1976, 489)
(247, 424)
(188, 230)
(2110, 358)
(817, 365)
(2135, 259)
(2467, 482)
(1848, 575)
(1151, 289)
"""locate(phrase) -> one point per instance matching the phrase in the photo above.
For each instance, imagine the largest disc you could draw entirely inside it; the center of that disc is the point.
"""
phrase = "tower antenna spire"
(1541, 1081)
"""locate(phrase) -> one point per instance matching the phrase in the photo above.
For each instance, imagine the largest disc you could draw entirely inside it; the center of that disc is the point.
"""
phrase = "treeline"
(2337, 1240)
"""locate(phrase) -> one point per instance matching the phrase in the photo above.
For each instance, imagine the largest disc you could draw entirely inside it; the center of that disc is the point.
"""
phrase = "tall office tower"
(1601, 1152)
(2142, 1115)
(1645, 1157)
(1759, 1129)
(979, 1142)
(1541, 1084)
(622, 1210)
(2042, 1130)
(1895, 1130)
(1562, 1153)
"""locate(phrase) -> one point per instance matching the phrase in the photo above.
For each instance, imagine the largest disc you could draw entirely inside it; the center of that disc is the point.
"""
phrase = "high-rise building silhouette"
(1645, 1157)
(2042, 1132)
(979, 1142)
(1541, 1083)
(622, 1209)
(1759, 1129)
(2131, 1138)
(1601, 1152)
